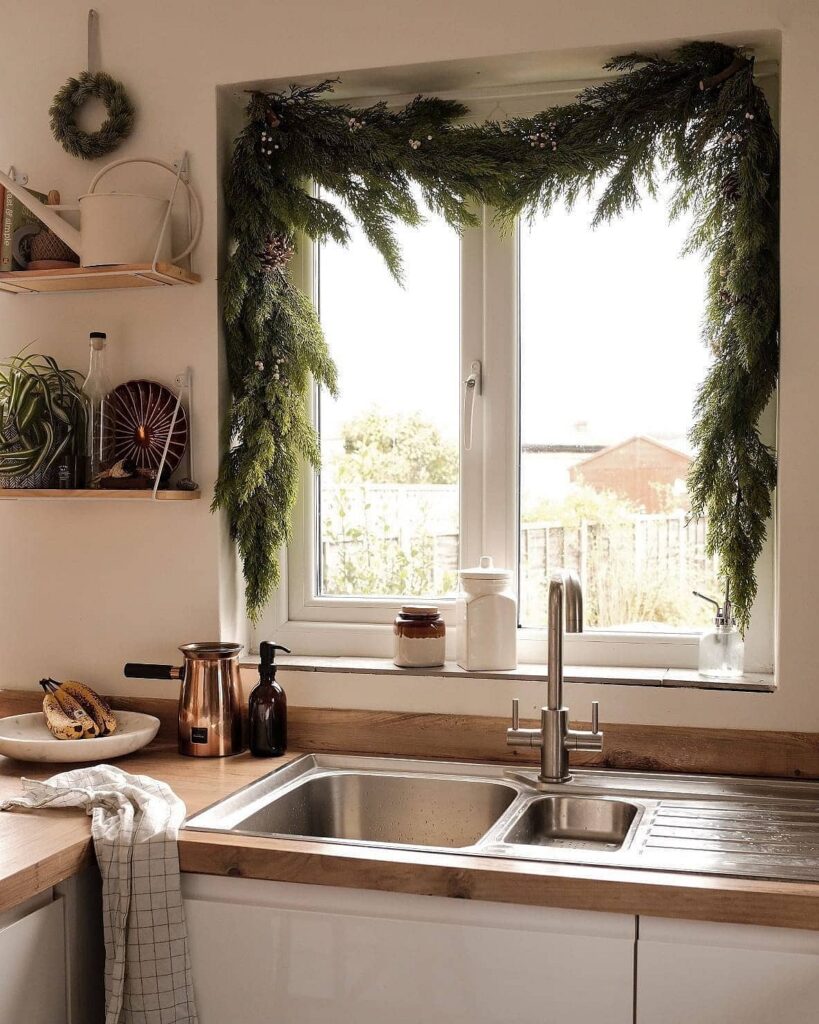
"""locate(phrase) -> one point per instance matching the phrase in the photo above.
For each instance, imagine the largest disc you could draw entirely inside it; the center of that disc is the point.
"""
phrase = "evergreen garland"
(117, 126)
(697, 116)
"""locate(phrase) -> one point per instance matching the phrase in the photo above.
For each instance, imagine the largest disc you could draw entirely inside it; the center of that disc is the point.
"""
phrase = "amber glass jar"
(420, 637)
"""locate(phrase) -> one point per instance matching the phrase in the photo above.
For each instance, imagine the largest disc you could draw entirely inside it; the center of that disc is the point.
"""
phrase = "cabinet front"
(32, 967)
(694, 973)
(320, 955)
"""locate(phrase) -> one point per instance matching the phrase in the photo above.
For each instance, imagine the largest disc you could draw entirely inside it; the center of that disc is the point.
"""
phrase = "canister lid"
(420, 611)
(485, 571)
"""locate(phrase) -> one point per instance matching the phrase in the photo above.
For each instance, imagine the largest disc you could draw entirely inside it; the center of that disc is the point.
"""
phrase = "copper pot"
(210, 707)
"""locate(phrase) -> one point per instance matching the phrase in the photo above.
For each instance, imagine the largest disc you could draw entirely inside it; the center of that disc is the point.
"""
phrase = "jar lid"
(420, 611)
(485, 571)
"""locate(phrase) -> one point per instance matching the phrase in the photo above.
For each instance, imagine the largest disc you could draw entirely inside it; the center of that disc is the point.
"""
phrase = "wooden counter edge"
(564, 886)
(19, 886)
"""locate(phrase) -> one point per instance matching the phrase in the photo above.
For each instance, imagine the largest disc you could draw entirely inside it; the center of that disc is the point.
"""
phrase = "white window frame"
(489, 488)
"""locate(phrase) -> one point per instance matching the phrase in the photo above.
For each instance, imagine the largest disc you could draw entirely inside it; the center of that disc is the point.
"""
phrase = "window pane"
(611, 359)
(389, 482)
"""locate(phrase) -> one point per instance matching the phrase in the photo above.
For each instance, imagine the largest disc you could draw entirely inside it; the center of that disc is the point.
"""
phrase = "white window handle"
(472, 385)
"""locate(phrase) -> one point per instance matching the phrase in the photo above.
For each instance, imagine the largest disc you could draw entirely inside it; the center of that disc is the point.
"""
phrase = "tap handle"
(595, 722)
(515, 713)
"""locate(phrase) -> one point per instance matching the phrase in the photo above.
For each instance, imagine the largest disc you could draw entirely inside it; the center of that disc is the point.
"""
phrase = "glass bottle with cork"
(99, 446)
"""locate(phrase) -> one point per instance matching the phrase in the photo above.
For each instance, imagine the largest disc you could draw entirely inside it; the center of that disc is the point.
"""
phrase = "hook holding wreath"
(92, 84)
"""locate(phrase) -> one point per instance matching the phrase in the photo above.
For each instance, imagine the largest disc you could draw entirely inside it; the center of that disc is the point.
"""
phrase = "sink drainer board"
(702, 824)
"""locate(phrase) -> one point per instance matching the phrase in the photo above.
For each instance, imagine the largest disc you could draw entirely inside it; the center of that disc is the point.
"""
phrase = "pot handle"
(135, 670)
(168, 167)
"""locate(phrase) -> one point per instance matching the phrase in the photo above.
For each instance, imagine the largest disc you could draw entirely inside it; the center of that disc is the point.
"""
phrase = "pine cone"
(276, 254)
(730, 187)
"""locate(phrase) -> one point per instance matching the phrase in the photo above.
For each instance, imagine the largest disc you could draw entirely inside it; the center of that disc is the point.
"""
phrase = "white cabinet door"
(298, 954)
(32, 967)
(694, 973)
(85, 960)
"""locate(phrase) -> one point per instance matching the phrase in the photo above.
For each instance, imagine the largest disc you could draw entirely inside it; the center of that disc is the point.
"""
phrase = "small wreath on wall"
(118, 125)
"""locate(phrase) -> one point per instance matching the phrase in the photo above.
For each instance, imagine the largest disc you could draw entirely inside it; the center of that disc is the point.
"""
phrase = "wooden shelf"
(26, 493)
(92, 279)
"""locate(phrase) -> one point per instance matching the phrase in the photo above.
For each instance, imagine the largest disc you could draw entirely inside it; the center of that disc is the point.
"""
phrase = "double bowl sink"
(702, 824)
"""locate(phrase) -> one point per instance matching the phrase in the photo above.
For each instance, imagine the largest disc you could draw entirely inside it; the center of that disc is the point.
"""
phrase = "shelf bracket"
(18, 177)
(183, 382)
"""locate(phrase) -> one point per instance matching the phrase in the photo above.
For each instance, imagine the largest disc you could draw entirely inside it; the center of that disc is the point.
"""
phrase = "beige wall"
(85, 587)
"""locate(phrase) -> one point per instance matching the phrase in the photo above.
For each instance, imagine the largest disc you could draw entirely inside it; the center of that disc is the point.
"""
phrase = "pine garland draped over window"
(695, 116)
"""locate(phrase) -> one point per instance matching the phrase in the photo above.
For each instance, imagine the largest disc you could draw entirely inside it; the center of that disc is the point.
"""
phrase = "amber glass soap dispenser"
(267, 707)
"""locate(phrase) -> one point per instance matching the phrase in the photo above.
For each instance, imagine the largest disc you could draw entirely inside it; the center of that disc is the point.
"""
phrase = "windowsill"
(754, 682)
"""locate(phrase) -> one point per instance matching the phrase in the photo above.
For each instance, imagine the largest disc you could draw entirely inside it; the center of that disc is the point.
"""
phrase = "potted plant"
(42, 423)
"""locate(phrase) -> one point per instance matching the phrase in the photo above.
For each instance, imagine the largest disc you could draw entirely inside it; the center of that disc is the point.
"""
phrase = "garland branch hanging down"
(696, 116)
(369, 159)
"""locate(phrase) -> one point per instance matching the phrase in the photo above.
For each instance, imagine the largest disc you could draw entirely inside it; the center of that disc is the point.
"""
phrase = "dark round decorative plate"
(142, 411)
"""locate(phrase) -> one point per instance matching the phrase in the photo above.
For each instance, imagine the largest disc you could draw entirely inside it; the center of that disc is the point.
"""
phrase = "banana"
(58, 722)
(71, 708)
(92, 704)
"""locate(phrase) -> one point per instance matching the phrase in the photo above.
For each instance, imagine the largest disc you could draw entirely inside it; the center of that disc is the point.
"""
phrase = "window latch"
(473, 385)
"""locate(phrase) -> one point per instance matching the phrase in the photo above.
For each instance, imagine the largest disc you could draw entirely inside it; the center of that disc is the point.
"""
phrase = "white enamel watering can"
(116, 227)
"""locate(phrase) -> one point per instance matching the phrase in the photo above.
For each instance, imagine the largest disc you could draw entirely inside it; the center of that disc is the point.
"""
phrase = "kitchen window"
(570, 451)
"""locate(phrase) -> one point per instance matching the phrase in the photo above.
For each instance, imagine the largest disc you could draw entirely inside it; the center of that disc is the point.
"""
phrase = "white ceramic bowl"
(26, 738)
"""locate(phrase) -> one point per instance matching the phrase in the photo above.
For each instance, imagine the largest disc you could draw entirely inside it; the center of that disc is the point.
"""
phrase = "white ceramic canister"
(486, 616)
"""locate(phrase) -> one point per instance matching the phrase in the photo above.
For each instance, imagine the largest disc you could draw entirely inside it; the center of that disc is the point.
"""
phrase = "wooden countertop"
(39, 849)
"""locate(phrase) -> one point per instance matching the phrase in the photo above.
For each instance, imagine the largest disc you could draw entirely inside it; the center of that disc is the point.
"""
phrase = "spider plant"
(42, 415)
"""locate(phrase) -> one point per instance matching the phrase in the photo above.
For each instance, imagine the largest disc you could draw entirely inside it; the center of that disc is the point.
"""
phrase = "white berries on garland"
(268, 145)
(544, 139)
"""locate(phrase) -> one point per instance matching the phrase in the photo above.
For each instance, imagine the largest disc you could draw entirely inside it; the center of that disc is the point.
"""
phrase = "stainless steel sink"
(385, 809)
(573, 822)
(704, 824)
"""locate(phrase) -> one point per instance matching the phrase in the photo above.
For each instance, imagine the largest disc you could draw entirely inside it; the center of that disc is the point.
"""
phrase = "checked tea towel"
(134, 822)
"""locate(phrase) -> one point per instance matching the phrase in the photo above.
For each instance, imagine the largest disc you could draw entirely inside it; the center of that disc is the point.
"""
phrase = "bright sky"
(609, 327)
(395, 347)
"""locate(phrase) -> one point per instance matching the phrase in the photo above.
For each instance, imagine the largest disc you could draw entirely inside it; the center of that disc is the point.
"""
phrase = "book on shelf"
(14, 216)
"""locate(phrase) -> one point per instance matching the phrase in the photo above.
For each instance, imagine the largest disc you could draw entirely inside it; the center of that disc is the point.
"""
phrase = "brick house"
(639, 469)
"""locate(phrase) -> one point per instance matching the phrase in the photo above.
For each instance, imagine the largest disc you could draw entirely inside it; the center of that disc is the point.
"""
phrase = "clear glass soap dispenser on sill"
(722, 649)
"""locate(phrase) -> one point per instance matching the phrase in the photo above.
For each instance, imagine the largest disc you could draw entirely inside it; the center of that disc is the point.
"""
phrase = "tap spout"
(565, 600)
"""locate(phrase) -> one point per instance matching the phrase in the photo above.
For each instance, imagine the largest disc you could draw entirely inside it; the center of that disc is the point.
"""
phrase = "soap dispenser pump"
(267, 707)
(722, 650)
